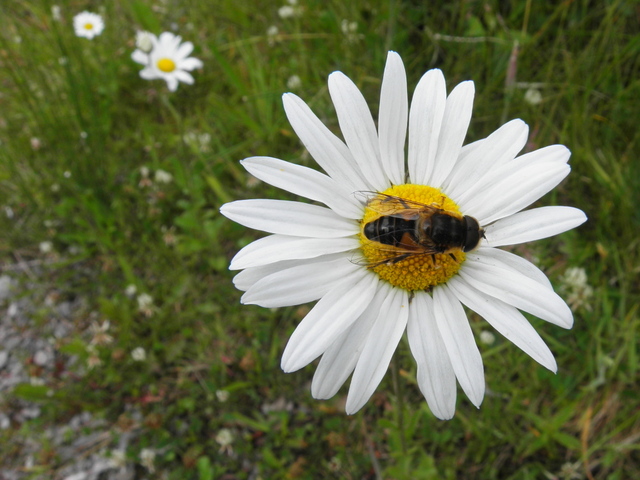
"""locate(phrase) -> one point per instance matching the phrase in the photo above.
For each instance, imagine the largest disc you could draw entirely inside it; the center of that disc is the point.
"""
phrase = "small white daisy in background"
(163, 177)
(66, 174)
(403, 243)
(131, 290)
(168, 60)
(88, 25)
(294, 82)
(139, 354)
(147, 459)
(144, 41)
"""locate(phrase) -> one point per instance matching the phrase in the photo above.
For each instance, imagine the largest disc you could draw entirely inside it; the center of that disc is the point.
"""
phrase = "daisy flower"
(88, 24)
(375, 258)
(167, 59)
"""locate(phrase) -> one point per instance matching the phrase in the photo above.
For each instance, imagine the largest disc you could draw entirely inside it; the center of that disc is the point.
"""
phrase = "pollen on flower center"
(166, 65)
(396, 248)
(88, 26)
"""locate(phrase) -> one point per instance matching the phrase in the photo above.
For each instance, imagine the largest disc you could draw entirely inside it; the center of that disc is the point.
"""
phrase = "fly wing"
(392, 206)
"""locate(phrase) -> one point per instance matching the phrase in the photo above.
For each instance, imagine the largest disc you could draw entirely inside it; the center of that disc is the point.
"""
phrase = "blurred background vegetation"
(87, 222)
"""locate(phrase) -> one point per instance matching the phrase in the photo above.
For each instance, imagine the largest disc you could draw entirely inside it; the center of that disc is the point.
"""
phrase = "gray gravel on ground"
(33, 321)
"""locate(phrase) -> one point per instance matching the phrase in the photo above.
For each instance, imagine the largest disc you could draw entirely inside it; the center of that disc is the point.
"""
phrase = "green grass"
(97, 123)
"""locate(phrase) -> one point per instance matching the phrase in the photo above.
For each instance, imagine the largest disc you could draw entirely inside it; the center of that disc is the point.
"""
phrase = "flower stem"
(399, 403)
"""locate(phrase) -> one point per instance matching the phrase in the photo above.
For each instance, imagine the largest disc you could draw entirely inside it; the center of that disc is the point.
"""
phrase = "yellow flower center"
(166, 65)
(88, 26)
(413, 268)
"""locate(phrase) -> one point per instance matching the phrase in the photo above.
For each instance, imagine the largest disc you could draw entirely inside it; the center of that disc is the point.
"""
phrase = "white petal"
(436, 378)
(425, 122)
(190, 64)
(341, 357)
(140, 57)
(184, 77)
(459, 342)
(332, 315)
(299, 284)
(507, 320)
(497, 149)
(289, 218)
(392, 118)
(327, 149)
(516, 289)
(501, 258)
(457, 115)
(172, 82)
(517, 184)
(533, 225)
(149, 73)
(169, 42)
(184, 50)
(305, 182)
(247, 277)
(275, 248)
(515, 192)
(382, 341)
(358, 129)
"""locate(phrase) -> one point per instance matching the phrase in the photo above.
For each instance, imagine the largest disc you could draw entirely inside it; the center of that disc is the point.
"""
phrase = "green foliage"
(82, 137)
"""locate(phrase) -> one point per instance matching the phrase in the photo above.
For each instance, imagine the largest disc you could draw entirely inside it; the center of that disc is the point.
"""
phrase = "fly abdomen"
(389, 230)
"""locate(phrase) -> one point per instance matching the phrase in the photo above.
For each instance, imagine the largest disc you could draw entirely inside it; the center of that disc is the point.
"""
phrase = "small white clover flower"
(487, 337)
(575, 286)
(56, 13)
(46, 247)
(99, 333)
(147, 459)
(88, 25)
(144, 301)
(294, 82)
(290, 11)
(139, 354)
(222, 395)
(272, 35)
(118, 458)
(131, 290)
(225, 438)
(145, 304)
(167, 60)
(163, 177)
(533, 96)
